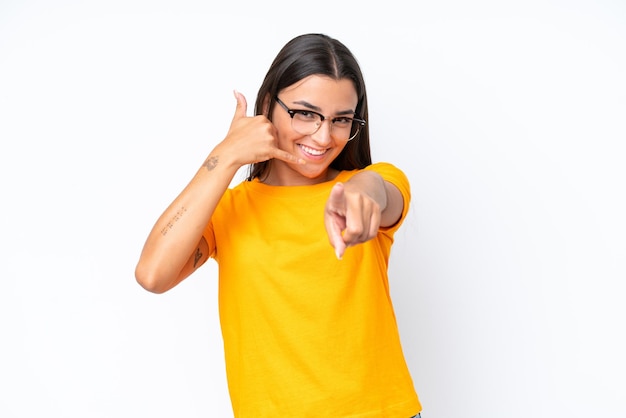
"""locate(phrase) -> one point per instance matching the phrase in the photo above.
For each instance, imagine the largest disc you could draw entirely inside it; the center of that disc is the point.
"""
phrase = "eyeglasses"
(307, 122)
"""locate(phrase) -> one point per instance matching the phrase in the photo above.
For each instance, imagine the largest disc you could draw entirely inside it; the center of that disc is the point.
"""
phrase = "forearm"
(175, 236)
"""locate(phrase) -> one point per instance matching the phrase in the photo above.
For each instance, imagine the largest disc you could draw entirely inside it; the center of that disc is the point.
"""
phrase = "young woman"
(302, 245)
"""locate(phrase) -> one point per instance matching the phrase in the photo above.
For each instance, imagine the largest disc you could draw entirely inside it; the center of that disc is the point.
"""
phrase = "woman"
(308, 328)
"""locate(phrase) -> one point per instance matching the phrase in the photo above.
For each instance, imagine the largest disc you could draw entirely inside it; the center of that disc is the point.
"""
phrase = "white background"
(508, 118)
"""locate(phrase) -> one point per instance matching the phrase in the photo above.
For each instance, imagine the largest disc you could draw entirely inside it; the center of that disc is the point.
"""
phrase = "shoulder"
(394, 175)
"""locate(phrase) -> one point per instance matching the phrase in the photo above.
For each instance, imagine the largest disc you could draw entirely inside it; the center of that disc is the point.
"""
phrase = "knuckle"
(355, 231)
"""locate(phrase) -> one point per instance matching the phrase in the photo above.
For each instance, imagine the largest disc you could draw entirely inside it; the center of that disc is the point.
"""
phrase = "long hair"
(317, 54)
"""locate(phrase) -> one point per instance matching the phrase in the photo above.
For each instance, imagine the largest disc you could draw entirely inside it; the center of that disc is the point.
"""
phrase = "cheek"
(287, 140)
(285, 132)
(283, 126)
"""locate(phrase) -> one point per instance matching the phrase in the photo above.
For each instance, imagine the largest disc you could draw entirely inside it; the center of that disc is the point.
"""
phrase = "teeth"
(312, 151)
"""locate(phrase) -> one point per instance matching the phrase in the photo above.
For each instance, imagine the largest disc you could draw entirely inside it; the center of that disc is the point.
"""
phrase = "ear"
(266, 106)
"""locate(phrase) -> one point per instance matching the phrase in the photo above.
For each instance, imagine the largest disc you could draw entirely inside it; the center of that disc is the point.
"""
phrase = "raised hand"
(252, 139)
(351, 217)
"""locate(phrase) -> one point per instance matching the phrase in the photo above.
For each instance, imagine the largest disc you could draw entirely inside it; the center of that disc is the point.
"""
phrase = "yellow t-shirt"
(305, 334)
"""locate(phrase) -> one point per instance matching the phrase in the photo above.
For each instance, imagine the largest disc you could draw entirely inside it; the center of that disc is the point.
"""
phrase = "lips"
(312, 151)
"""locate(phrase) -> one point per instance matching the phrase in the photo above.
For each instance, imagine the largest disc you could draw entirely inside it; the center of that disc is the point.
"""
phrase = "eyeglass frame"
(292, 113)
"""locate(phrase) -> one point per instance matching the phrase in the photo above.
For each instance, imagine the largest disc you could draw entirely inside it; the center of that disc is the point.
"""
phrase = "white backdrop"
(508, 118)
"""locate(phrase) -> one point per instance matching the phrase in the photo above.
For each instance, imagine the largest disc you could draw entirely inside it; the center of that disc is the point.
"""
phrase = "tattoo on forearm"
(179, 213)
(211, 163)
(197, 257)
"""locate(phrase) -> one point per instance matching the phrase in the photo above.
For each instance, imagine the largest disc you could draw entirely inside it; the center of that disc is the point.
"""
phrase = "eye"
(305, 115)
(342, 121)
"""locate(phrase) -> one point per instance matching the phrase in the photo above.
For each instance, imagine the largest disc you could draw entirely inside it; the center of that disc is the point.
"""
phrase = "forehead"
(323, 91)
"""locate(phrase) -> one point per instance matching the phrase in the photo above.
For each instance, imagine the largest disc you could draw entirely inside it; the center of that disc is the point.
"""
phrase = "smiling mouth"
(312, 151)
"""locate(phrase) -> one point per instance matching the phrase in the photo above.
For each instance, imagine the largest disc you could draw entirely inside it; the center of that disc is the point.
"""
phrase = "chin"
(319, 174)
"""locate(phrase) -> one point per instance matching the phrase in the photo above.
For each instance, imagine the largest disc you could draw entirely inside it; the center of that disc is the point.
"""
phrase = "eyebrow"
(319, 110)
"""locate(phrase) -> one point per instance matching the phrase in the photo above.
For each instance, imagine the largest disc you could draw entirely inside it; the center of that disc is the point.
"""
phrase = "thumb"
(242, 105)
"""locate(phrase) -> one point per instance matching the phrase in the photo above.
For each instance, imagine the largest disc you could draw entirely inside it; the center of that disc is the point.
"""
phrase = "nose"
(323, 134)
